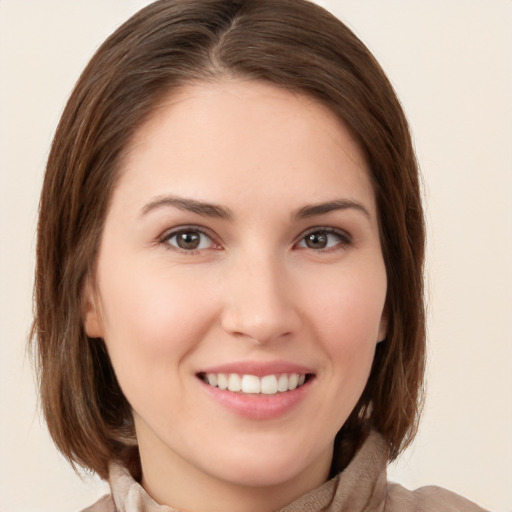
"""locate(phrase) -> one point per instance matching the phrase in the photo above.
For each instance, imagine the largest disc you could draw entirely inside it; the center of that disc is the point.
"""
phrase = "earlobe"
(91, 317)
(383, 328)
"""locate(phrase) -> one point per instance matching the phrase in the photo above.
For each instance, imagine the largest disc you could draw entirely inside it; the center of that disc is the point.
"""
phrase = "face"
(240, 286)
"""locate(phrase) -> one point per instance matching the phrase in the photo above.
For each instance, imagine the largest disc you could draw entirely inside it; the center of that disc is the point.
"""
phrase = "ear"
(91, 315)
(383, 327)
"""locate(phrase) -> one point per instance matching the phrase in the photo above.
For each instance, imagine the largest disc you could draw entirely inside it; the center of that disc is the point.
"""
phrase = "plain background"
(451, 63)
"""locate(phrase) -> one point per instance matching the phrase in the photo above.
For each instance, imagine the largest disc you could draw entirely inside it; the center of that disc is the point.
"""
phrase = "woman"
(229, 266)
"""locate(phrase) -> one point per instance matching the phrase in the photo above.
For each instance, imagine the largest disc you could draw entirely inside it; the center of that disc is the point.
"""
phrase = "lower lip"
(260, 406)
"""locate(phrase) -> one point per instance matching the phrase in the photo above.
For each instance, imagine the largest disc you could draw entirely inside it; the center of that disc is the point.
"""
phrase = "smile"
(251, 384)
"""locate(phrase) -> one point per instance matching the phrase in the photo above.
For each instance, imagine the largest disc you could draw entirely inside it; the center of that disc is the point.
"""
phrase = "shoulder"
(104, 504)
(426, 499)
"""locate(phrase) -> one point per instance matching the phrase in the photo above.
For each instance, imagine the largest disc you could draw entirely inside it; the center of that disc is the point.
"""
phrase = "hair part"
(292, 44)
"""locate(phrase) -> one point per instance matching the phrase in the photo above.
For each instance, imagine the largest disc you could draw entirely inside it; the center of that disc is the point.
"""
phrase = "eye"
(325, 238)
(188, 239)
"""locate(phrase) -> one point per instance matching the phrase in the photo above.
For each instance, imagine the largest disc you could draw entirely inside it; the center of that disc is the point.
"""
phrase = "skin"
(253, 290)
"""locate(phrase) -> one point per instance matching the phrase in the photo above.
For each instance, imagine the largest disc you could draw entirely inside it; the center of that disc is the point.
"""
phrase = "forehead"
(223, 102)
(235, 137)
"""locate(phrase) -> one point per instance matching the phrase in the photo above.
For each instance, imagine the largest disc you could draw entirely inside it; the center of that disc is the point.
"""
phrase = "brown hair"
(292, 44)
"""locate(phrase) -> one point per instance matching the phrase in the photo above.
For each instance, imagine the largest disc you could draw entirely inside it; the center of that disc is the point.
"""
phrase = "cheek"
(150, 322)
(344, 317)
(347, 320)
(349, 309)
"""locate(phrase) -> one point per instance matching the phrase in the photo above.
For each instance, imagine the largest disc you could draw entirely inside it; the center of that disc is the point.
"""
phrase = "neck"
(231, 498)
(180, 485)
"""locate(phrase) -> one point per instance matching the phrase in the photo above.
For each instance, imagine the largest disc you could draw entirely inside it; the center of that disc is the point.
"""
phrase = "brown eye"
(189, 240)
(325, 239)
(316, 240)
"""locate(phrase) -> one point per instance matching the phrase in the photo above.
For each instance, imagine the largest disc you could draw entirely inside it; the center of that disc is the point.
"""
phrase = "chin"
(275, 467)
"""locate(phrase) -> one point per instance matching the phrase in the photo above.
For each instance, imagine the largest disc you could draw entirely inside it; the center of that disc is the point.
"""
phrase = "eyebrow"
(189, 205)
(221, 212)
(330, 206)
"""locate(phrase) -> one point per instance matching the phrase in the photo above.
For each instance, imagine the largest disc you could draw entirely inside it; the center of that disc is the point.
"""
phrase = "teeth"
(282, 383)
(293, 381)
(269, 385)
(222, 380)
(250, 384)
(234, 382)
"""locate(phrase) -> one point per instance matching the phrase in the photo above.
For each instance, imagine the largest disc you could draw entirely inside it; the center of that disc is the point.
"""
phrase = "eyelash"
(344, 240)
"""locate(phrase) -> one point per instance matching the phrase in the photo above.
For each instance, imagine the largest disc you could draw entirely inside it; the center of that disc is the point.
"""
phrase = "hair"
(291, 44)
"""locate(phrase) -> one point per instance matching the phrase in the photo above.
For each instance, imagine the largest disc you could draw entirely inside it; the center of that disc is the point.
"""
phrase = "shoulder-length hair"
(292, 44)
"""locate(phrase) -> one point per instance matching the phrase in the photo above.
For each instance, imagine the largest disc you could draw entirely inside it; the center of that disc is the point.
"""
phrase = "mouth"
(271, 384)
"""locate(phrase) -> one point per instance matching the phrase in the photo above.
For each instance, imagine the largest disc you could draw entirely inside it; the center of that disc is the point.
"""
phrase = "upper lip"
(258, 368)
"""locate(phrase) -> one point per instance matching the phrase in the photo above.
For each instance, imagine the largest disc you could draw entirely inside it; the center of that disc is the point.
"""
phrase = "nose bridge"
(259, 302)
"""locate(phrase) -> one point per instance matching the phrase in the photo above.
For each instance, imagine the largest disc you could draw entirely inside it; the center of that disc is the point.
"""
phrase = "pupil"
(188, 240)
(316, 240)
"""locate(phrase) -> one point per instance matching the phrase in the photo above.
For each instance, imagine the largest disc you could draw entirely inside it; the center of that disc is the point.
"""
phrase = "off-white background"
(451, 63)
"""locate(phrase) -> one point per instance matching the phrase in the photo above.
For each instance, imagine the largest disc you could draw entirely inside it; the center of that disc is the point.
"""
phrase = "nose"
(260, 304)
